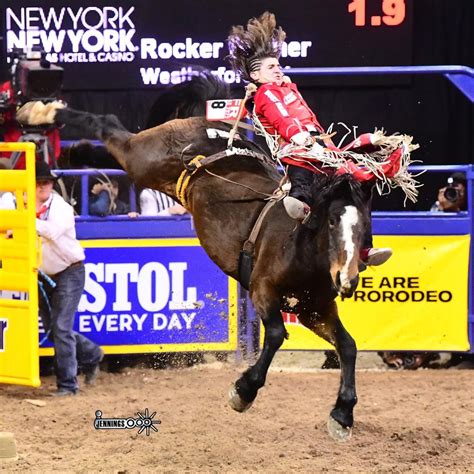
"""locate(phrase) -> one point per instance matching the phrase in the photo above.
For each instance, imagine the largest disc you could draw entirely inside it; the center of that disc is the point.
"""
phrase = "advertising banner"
(142, 44)
(159, 295)
(418, 300)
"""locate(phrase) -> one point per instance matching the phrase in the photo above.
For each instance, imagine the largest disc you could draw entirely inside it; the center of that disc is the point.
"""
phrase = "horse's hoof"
(337, 431)
(236, 402)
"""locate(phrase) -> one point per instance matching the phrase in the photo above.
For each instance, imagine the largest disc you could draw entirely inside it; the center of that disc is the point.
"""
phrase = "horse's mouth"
(346, 288)
(346, 293)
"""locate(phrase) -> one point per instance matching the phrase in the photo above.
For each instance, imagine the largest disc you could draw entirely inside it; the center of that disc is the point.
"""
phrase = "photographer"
(453, 196)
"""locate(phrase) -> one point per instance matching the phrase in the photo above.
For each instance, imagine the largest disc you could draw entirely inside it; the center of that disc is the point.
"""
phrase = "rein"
(238, 184)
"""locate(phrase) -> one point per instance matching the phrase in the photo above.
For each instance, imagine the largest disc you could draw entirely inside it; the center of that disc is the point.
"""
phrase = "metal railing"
(461, 76)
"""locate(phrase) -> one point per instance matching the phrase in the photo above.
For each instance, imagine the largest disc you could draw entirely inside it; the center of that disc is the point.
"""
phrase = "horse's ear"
(346, 188)
(354, 190)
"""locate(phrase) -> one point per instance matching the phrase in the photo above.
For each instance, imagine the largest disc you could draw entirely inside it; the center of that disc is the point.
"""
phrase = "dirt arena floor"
(420, 421)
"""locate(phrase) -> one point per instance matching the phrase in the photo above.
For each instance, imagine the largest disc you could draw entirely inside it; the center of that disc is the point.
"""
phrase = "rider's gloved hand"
(302, 139)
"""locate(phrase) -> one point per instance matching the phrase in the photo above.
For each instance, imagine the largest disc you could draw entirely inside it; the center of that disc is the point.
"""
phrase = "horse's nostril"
(338, 279)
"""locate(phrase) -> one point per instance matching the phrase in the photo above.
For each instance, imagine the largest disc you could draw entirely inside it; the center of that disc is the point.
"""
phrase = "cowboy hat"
(43, 172)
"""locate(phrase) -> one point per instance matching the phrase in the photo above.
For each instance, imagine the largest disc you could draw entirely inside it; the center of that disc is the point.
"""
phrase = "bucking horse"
(287, 266)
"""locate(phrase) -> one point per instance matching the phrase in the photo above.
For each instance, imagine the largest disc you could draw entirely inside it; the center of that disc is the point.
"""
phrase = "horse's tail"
(104, 127)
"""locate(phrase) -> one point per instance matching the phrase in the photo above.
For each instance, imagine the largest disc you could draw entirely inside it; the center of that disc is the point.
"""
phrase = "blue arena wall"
(173, 231)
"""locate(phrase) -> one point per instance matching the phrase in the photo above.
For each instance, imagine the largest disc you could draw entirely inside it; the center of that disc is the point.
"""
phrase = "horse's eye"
(332, 222)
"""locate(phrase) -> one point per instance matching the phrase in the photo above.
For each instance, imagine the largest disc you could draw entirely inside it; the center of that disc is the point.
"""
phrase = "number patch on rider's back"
(222, 109)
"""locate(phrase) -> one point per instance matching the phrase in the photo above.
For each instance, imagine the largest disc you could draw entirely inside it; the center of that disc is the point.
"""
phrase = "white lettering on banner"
(90, 17)
(89, 30)
(90, 41)
(177, 281)
(156, 75)
(112, 322)
(91, 58)
(162, 287)
(154, 285)
(161, 321)
(295, 49)
(93, 289)
(151, 49)
(121, 274)
(54, 41)
(106, 35)
(188, 319)
(153, 75)
(129, 322)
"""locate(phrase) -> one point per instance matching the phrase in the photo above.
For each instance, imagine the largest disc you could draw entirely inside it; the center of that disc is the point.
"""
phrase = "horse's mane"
(187, 99)
(328, 188)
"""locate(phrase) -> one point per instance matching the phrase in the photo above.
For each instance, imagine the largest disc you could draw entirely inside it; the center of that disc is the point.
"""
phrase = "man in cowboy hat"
(63, 262)
(280, 108)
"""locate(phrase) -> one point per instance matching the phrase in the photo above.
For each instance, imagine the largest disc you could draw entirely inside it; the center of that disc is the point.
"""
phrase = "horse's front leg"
(267, 305)
(326, 324)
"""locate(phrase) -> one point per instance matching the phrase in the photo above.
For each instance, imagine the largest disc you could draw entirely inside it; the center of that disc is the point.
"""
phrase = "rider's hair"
(248, 47)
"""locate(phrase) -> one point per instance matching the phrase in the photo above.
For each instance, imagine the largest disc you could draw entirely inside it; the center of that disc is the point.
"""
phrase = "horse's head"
(341, 214)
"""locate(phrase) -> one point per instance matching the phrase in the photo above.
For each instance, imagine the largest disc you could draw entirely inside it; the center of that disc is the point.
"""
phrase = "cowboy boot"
(297, 209)
(374, 257)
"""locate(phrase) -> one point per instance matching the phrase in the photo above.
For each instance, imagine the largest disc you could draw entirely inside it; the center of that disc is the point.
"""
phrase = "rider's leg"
(369, 255)
(297, 203)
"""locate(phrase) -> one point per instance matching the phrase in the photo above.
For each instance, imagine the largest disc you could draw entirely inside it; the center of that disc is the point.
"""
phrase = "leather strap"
(249, 244)
(201, 161)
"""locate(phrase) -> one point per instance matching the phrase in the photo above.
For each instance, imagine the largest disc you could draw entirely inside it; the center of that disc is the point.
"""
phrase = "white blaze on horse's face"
(346, 241)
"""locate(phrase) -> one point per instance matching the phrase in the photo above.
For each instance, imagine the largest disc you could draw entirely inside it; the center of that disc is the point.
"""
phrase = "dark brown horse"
(296, 267)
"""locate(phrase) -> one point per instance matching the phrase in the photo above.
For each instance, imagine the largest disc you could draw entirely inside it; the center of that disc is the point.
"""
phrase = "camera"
(451, 193)
(33, 77)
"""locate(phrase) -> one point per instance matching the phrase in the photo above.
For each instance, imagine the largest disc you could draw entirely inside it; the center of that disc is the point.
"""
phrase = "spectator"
(63, 259)
(156, 203)
(105, 200)
(453, 196)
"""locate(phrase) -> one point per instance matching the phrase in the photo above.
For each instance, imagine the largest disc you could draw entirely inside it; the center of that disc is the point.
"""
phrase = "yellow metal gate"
(19, 251)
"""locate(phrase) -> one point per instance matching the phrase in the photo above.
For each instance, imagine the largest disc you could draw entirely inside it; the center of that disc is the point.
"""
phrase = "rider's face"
(270, 71)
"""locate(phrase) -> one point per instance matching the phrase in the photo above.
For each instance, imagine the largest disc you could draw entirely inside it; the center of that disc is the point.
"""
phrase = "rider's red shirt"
(283, 110)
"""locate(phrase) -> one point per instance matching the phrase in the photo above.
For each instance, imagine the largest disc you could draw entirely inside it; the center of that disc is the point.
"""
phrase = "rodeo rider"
(279, 106)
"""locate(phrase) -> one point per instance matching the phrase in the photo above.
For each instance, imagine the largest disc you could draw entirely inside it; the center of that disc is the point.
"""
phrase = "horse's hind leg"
(267, 306)
(103, 127)
(327, 325)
